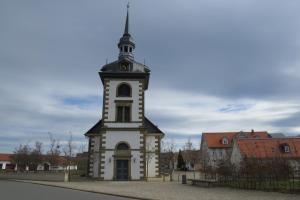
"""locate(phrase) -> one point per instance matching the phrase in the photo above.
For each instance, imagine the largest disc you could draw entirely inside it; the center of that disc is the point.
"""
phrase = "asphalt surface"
(12, 190)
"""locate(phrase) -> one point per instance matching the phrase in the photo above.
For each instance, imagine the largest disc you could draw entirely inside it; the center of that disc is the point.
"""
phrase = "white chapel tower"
(124, 144)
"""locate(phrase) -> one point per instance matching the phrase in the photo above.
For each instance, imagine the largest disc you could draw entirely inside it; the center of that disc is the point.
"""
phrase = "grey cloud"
(290, 121)
(239, 52)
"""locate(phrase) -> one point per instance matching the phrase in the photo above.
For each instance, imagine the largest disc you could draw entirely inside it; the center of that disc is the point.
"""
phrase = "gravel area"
(171, 190)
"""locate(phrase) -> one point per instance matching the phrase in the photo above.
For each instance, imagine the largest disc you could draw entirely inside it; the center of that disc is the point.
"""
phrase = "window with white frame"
(286, 148)
(225, 141)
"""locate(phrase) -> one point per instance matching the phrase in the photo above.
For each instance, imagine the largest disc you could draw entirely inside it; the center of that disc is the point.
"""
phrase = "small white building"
(5, 161)
(124, 144)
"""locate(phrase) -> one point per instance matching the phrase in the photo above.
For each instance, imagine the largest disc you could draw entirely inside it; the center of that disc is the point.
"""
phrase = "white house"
(6, 161)
(124, 144)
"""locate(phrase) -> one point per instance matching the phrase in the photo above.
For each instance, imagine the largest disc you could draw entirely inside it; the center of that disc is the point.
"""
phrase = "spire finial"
(126, 31)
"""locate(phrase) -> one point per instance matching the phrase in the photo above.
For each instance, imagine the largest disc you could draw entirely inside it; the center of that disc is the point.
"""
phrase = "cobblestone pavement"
(172, 190)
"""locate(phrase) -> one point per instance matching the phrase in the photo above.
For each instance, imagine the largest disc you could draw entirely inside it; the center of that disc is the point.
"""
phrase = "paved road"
(26, 191)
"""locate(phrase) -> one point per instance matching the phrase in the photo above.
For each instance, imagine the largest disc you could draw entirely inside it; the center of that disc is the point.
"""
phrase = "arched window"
(224, 140)
(124, 90)
(122, 146)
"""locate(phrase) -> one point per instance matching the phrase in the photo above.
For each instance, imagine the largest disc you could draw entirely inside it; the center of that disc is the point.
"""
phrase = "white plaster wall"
(150, 146)
(135, 166)
(109, 166)
(152, 166)
(4, 164)
(150, 142)
(112, 139)
(123, 125)
(112, 97)
(216, 154)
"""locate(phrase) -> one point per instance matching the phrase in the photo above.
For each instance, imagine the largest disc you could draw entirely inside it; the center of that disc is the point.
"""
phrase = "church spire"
(126, 30)
(126, 44)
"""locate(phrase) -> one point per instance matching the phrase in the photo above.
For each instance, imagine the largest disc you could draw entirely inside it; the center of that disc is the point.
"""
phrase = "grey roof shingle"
(115, 66)
(149, 126)
(95, 129)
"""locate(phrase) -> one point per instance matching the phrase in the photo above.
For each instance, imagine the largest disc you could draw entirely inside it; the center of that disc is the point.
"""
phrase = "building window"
(213, 153)
(286, 148)
(130, 49)
(122, 146)
(123, 113)
(224, 141)
(221, 154)
(126, 48)
(124, 90)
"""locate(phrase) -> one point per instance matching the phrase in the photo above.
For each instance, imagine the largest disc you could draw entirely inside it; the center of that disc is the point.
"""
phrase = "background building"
(6, 161)
(217, 147)
(267, 149)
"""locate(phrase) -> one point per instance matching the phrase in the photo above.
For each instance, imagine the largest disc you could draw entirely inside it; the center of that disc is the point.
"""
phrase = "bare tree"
(169, 149)
(188, 145)
(54, 150)
(189, 153)
(205, 159)
(36, 156)
(224, 168)
(150, 153)
(69, 154)
(82, 160)
(22, 156)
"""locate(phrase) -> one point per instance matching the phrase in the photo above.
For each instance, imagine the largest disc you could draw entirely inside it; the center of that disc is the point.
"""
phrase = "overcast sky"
(216, 65)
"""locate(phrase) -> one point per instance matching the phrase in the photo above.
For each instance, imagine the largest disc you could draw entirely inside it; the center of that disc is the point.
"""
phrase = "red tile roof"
(5, 157)
(60, 160)
(257, 134)
(213, 140)
(268, 148)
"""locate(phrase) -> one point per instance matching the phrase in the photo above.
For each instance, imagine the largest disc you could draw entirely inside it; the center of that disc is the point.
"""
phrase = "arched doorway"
(122, 162)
